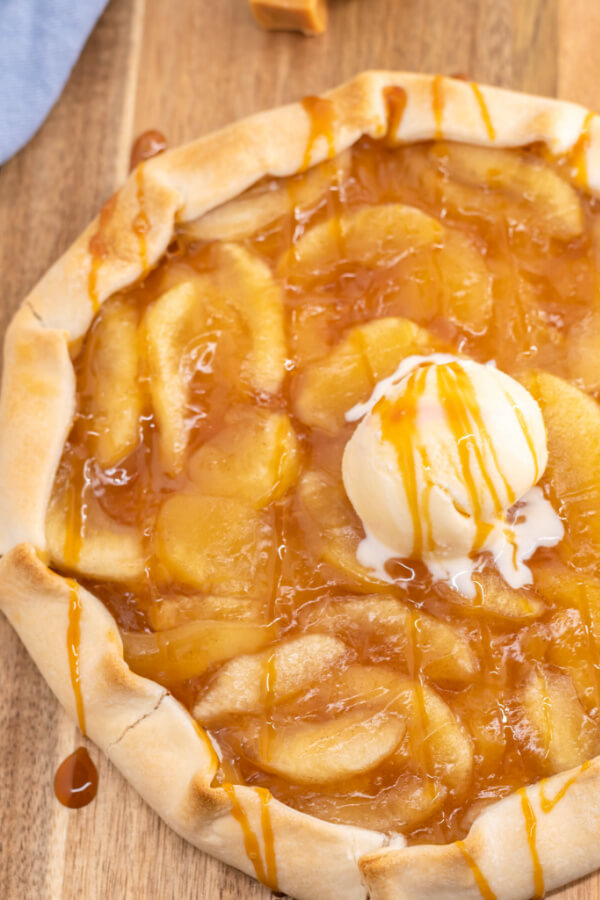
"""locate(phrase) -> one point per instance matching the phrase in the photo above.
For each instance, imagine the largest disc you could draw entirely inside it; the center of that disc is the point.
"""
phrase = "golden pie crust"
(515, 848)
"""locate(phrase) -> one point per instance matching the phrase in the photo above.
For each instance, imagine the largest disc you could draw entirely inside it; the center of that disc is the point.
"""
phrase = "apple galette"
(300, 490)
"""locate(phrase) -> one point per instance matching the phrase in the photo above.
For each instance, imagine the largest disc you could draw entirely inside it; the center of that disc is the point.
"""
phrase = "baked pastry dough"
(534, 839)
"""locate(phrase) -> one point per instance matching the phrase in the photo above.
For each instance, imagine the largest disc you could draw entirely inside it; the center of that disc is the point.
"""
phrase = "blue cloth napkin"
(40, 41)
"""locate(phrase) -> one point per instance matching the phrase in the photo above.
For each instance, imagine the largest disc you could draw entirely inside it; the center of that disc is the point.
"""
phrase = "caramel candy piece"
(307, 16)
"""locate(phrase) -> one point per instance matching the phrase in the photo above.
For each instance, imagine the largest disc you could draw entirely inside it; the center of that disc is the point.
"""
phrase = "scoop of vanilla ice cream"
(445, 447)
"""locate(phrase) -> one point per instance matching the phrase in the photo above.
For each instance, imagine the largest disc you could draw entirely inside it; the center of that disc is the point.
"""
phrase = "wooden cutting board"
(187, 67)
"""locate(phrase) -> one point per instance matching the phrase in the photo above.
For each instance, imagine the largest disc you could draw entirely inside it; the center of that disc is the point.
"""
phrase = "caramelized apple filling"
(200, 494)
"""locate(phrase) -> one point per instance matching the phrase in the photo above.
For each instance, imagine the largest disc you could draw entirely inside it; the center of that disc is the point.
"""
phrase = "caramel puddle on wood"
(251, 845)
(484, 888)
(530, 828)
(76, 780)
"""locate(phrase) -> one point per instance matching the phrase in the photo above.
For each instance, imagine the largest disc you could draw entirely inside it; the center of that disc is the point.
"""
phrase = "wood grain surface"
(187, 67)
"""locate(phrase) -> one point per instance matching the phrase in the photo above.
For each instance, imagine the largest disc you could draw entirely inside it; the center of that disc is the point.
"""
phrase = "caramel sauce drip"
(73, 646)
(485, 113)
(268, 837)
(465, 419)
(321, 114)
(74, 518)
(98, 250)
(76, 780)
(266, 876)
(398, 419)
(437, 104)
(527, 435)
(399, 427)
(395, 98)
(548, 803)
(214, 759)
(148, 144)
(141, 223)
(480, 880)
(530, 829)
(577, 155)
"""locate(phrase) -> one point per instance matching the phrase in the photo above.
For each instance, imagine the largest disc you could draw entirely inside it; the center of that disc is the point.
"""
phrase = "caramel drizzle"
(437, 103)
(464, 417)
(99, 251)
(530, 828)
(480, 879)
(214, 759)
(465, 420)
(321, 115)
(73, 646)
(251, 845)
(527, 434)
(74, 517)
(577, 155)
(141, 224)
(399, 427)
(395, 98)
(548, 803)
(485, 113)
(268, 837)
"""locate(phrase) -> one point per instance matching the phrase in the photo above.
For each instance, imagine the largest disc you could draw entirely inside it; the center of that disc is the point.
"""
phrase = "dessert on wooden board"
(299, 479)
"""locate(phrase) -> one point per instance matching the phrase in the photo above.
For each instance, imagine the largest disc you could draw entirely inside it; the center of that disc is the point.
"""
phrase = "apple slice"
(445, 656)
(572, 421)
(465, 282)
(325, 752)
(562, 735)
(105, 549)
(189, 650)
(294, 666)
(331, 527)
(326, 389)
(552, 200)
(169, 324)
(229, 322)
(496, 599)
(177, 609)
(254, 458)
(117, 400)
(399, 808)
(438, 745)
(245, 283)
(265, 202)
(215, 544)
(371, 237)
